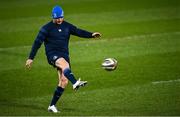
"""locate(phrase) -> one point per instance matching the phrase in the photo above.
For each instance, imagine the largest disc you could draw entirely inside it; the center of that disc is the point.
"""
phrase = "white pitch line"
(132, 37)
(165, 81)
(106, 39)
(12, 48)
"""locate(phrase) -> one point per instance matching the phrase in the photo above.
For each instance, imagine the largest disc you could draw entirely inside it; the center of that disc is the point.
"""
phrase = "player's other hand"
(29, 63)
(96, 35)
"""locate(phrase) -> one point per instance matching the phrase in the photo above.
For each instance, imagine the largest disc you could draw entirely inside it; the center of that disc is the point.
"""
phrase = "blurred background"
(143, 35)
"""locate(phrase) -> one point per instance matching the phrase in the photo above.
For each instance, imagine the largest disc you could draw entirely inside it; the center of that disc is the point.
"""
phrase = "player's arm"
(36, 45)
(83, 33)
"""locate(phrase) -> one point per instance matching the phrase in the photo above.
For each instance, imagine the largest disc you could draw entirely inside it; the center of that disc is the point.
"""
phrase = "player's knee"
(63, 82)
(62, 63)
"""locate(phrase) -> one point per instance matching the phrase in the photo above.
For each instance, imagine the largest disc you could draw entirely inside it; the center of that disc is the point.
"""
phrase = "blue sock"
(57, 94)
(69, 75)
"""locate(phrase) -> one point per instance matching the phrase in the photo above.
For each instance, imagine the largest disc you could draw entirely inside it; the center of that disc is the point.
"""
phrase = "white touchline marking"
(165, 81)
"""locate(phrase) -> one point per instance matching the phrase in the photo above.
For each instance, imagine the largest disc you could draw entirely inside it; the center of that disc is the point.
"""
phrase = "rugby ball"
(109, 64)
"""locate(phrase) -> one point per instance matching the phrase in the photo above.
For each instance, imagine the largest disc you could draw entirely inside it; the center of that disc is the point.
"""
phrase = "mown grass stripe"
(125, 47)
(104, 39)
(21, 24)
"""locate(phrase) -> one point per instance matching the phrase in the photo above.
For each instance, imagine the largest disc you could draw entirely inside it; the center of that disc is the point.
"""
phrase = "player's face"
(58, 21)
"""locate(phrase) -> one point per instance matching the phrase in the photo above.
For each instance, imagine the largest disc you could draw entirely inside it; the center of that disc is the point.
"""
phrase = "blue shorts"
(56, 55)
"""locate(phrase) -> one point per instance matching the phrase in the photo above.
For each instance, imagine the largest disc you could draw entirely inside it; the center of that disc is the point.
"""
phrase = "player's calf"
(68, 74)
(76, 83)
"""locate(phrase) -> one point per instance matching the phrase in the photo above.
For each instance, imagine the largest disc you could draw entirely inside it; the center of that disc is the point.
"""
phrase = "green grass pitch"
(143, 35)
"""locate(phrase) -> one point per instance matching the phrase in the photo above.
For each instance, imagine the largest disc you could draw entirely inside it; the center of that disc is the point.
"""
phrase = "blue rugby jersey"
(56, 38)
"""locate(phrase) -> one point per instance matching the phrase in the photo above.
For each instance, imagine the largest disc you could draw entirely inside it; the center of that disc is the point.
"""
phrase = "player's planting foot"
(78, 84)
(52, 109)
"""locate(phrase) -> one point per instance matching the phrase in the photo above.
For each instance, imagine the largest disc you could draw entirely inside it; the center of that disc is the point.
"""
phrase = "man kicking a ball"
(55, 35)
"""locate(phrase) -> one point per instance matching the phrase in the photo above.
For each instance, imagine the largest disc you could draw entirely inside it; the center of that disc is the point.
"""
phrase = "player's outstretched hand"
(96, 35)
(29, 63)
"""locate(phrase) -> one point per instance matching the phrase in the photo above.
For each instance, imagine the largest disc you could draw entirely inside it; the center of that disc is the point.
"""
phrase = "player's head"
(57, 14)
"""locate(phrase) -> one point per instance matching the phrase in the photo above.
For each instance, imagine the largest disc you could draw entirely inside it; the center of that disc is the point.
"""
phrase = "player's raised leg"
(64, 66)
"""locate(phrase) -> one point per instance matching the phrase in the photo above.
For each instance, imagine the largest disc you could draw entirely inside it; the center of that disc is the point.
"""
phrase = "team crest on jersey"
(59, 30)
